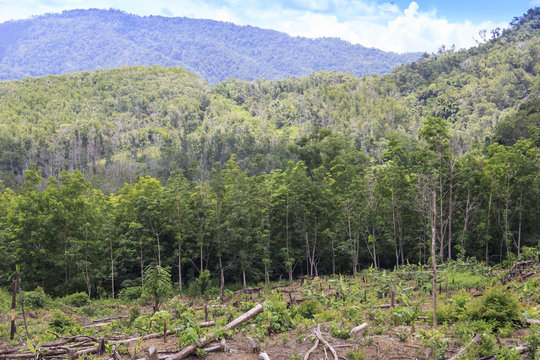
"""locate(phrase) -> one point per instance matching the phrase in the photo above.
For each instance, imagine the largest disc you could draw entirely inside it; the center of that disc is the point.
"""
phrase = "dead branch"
(320, 337)
(207, 340)
(357, 329)
(461, 351)
(312, 349)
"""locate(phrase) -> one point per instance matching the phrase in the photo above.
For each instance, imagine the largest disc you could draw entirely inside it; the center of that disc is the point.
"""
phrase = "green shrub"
(76, 299)
(508, 354)
(134, 313)
(434, 342)
(308, 309)
(278, 316)
(36, 299)
(499, 307)
(203, 282)
(159, 319)
(61, 322)
(528, 253)
(406, 315)
(486, 347)
(357, 354)
(340, 331)
(131, 293)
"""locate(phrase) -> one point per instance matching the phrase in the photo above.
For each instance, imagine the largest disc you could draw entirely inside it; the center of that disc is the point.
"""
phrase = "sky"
(395, 25)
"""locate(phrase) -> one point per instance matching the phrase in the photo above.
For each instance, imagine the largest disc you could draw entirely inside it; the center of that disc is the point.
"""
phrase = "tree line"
(334, 210)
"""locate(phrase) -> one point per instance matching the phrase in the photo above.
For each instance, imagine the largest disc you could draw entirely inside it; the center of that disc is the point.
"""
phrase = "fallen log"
(157, 335)
(205, 324)
(110, 318)
(64, 341)
(326, 343)
(31, 355)
(461, 351)
(532, 321)
(207, 340)
(357, 329)
(518, 349)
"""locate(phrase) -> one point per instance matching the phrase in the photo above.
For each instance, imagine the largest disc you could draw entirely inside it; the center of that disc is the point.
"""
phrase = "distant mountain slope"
(117, 124)
(79, 40)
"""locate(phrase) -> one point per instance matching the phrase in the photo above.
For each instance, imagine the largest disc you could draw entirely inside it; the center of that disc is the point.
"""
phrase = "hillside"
(117, 124)
(109, 171)
(81, 40)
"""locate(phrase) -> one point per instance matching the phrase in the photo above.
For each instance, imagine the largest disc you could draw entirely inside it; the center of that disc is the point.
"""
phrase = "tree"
(157, 283)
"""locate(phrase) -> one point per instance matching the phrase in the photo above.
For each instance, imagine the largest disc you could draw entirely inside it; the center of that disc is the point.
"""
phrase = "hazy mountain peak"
(77, 40)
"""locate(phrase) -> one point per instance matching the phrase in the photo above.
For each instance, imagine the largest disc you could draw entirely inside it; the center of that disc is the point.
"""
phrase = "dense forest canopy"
(107, 171)
(79, 40)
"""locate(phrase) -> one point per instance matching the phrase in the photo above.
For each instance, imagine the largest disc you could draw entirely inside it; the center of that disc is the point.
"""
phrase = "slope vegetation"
(80, 40)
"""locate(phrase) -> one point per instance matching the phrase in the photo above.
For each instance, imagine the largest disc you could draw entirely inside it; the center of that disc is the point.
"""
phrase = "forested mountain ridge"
(117, 124)
(79, 40)
(268, 179)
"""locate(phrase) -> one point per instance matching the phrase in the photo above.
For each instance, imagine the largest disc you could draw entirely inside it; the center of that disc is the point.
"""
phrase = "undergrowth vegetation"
(472, 300)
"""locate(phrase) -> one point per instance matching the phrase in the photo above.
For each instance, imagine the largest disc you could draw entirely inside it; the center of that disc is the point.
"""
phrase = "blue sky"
(394, 25)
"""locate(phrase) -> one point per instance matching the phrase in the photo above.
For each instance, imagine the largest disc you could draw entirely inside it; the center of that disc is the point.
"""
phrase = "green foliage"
(36, 299)
(308, 309)
(76, 299)
(498, 307)
(203, 282)
(157, 283)
(357, 354)
(131, 293)
(434, 342)
(61, 322)
(277, 316)
(159, 319)
(340, 331)
(532, 341)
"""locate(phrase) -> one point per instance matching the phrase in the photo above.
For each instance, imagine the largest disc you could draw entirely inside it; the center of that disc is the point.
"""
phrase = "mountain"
(79, 40)
(117, 124)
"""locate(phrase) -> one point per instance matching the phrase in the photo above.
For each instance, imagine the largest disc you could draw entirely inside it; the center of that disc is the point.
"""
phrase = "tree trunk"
(13, 307)
(244, 278)
(158, 250)
(487, 225)
(519, 226)
(466, 219)
(141, 263)
(450, 210)
(22, 304)
(394, 228)
(112, 270)
(433, 260)
(221, 279)
(180, 267)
